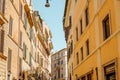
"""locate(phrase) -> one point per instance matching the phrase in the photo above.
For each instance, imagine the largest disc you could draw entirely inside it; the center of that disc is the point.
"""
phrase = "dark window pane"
(86, 16)
(77, 58)
(76, 33)
(106, 27)
(81, 30)
(81, 53)
(87, 47)
(1, 41)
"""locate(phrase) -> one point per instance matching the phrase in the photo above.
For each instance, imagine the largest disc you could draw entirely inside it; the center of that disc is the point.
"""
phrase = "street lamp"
(47, 3)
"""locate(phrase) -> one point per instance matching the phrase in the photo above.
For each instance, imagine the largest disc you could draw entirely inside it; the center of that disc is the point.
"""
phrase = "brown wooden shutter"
(1, 41)
(20, 66)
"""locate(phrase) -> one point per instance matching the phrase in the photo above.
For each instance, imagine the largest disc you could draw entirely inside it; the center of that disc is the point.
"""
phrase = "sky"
(53, 16)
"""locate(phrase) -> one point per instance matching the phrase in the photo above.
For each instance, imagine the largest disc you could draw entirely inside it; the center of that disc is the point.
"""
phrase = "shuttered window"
(1, 40)
(2, 6)
(110, 72)
(20, 38)
(10, 26)
(24, 51)
(9, 59)
(21, 7)
(25, 21)
(20, 66)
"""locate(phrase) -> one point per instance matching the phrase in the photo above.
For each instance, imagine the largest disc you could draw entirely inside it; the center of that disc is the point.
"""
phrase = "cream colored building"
(3, 54)
(20, 56)
(94, 28)
(59, 65)
(44, 46)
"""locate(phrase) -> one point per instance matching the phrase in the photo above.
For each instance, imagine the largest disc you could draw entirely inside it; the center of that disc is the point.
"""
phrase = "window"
(30, 59)
(62, 62)
(38, 57)
(71, 47)
(76, 34)
(83, 78)
(1, 40)
(35, 57)
(25, 21)
(31, 34)
(10, 26)
(58, 62)
(70, 21)
(21, 10)
(2, 6)
(81, 30)
(9, 59)
(106, 27)
(81, 50)
(20, 66)
(86, 16)
(55, 65)
(89, 76)
(77, 58)
(61, 75)
(42, 62)
(58, 73)
(87, 47)
(24, 50)
(20, 38)
(110, 72)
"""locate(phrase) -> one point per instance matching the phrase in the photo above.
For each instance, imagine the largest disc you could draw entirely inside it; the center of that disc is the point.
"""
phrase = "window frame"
(106, 35)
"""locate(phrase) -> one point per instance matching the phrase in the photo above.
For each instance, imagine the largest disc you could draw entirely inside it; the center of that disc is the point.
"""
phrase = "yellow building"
(93, 26)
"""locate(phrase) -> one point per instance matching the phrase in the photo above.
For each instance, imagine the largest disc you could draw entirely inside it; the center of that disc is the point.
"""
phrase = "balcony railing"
(43, 42)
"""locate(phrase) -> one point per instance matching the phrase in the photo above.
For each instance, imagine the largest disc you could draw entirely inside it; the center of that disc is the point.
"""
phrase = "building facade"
(59, 65)
(21, 50)
(93, 28)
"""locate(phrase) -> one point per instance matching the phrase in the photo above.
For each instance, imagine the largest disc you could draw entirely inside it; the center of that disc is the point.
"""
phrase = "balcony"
(40, 37)
(43, 42)
(27, 10)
